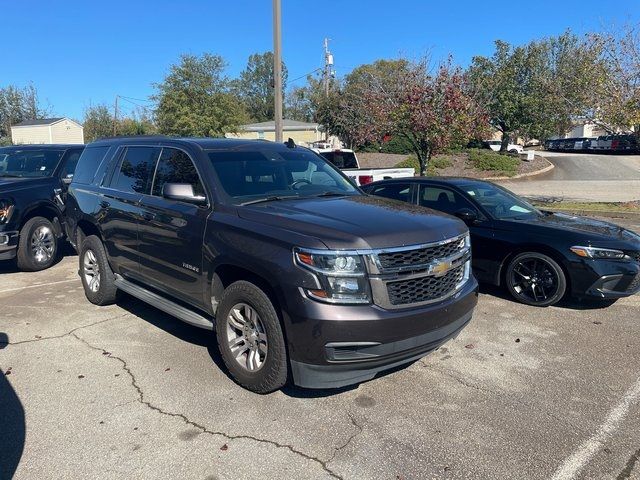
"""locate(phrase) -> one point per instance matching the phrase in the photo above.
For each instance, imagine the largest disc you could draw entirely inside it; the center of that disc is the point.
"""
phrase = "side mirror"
(67, 180)
(466, 215)
(182, 192)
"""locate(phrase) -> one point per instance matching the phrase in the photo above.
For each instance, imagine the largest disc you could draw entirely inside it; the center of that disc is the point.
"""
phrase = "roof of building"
(286, 125)
(44, 121)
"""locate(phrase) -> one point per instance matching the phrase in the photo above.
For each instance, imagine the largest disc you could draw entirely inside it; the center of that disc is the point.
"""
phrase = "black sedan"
(538, 255)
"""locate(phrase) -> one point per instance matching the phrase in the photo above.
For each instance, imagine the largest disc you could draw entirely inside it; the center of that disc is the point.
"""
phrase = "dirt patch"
(379, 160)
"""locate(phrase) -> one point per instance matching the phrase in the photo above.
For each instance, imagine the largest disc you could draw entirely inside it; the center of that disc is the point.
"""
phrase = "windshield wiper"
(331, 194)
(9, 175)
(271, 198)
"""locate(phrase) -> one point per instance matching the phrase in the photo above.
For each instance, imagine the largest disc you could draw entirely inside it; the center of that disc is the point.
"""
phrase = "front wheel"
(250, 338)
(38, 245)
(535, 279)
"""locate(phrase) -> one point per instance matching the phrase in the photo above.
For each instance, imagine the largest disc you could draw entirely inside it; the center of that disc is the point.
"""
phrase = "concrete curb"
(546, 169)
(594, 213)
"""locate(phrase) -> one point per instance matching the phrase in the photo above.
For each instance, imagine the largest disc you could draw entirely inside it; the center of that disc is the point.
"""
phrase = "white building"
(47, 130)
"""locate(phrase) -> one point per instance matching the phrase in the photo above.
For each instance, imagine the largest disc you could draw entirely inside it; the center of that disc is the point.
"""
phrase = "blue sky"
(82, 52)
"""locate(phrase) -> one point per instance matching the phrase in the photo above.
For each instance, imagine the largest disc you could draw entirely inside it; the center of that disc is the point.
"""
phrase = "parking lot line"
(38, 285)
(577, 461)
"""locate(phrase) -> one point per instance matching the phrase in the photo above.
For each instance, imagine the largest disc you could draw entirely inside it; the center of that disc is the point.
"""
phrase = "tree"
(255, 86)
(195, 99)
(99, 123)
(299, 105)
(17, 105)
(430, 110)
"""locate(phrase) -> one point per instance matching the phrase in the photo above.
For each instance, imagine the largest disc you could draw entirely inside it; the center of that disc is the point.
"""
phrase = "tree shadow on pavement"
(12, 422)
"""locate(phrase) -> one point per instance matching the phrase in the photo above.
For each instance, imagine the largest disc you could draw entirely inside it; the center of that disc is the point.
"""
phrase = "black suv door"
(171, 232)
(120, 206)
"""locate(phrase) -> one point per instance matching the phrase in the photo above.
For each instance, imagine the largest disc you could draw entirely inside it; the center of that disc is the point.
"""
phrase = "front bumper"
(607, 279)
(8, 244)
(335, 345)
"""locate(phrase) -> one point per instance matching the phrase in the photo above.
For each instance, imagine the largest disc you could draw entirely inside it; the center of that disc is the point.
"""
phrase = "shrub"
(410, 162)
(441, 162)
(489, 160)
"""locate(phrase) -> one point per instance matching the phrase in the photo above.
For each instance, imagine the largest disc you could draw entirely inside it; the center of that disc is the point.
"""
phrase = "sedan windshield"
(29, 163)
(252, 176)
(500, 203)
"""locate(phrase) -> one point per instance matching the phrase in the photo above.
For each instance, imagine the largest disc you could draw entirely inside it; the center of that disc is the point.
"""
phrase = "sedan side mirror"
(182, 192)
(466, 215)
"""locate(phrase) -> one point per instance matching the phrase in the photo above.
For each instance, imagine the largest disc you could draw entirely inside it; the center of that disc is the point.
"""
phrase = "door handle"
(104, 204)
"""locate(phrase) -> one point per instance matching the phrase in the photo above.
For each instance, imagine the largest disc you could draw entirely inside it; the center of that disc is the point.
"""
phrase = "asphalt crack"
(359, 428)
(206, 430)
(62, 335)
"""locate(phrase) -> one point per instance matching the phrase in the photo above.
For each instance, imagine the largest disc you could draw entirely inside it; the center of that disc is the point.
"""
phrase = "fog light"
(4, 239)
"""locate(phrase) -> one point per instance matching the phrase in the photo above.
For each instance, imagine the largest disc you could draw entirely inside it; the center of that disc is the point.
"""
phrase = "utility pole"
(115, 117)
(277, 69)
(328, 64)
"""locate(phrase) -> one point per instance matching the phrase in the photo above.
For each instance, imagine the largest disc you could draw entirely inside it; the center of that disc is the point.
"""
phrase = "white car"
(347, 161)
(511, 148)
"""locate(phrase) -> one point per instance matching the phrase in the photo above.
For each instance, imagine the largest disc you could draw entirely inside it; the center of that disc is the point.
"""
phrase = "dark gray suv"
(298, 272)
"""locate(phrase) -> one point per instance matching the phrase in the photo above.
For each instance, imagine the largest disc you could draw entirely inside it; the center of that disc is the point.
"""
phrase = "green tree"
(17, 105)
(195, 99)
(97, 123)
(255, 86)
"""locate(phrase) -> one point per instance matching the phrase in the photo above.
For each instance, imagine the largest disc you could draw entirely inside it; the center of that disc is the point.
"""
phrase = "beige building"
(302, 133)
(47, 130)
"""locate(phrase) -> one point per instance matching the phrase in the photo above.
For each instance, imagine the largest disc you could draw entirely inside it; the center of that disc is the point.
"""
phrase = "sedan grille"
(420, 256)
(424, 289)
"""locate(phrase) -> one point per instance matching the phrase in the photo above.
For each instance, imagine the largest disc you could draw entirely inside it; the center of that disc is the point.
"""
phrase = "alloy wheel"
(534, 280)
(43, 244)
(91, 270)
(246, 337)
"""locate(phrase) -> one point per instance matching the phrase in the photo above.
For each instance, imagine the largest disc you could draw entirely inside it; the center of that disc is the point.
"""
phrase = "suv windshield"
(247, 176)
(500, 203)
(29, 163)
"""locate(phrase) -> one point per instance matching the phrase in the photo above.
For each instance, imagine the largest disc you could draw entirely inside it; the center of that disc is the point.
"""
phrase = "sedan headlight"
(6, 209)
(342, 275)
(593, 252)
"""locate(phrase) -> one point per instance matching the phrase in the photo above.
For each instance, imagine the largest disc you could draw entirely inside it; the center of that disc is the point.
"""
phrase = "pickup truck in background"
(347, 161)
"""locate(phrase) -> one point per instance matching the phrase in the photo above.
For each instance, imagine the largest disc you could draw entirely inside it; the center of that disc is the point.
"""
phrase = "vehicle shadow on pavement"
(10, 266)
(12, 422)
(569, 303)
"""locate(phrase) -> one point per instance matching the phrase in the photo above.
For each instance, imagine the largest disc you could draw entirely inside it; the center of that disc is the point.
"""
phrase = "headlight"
(593, 252)
(341, 275)
(6, 209)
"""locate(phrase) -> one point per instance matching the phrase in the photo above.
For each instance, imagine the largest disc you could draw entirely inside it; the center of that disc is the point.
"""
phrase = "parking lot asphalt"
(127, 391)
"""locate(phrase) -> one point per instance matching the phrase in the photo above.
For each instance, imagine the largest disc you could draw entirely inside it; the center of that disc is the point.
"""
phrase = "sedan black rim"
(534, 280)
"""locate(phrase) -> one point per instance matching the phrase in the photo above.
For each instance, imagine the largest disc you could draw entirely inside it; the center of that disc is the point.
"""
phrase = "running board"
(161, 303)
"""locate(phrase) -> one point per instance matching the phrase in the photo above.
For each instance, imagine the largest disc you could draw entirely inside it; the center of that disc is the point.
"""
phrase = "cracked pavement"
(127, 391)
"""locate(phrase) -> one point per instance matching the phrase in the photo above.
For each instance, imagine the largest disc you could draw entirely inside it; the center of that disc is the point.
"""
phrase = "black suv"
(33, 181)
(297, 271)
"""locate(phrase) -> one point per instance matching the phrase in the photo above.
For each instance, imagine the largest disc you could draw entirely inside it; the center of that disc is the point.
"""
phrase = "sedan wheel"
(535, 279)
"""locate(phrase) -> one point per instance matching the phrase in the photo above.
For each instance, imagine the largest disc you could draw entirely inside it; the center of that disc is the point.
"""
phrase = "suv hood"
(356, 222)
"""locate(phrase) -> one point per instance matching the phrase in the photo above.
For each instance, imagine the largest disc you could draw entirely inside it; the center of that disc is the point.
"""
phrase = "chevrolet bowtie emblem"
(441, 268)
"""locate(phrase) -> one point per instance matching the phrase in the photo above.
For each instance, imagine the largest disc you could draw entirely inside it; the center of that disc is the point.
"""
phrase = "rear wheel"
(96, 274)
(250, 338)
(535, 279)
(38, 245)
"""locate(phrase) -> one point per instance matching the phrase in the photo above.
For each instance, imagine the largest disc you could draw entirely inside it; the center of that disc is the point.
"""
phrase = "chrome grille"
(424, 289)
(420, 256)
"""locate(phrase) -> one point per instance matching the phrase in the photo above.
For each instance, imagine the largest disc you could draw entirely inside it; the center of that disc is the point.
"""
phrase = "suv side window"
(70, 164)
(90, 163)
(136, 169)
(175, 166)
(395, 191)
(443, 199)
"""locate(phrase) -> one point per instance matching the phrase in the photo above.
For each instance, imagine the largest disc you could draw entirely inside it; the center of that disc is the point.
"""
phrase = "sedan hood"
(356, 222)
(592, 229)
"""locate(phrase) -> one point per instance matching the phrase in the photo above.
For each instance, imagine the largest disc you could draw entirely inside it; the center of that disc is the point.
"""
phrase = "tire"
(38, 247)
(513, 151)
(535, 279)
(97, 277)
(259, 336)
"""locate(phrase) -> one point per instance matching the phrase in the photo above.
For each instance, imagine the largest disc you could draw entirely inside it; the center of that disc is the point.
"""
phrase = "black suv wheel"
(250, 339)
(96, 274)
(38, 245)
(535, 279)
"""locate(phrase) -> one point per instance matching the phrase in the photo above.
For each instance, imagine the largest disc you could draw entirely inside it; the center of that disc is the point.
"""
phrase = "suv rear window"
(89, 164)
(341, 159)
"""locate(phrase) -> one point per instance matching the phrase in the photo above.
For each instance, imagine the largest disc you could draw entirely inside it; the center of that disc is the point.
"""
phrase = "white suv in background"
(496, 144)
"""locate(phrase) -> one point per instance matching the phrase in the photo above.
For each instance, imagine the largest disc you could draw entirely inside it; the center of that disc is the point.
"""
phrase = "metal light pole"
(277, 69)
